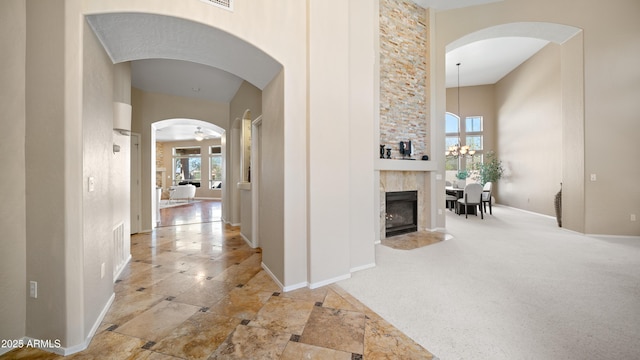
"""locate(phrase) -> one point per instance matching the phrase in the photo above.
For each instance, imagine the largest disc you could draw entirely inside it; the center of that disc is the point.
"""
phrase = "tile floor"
(197, 291)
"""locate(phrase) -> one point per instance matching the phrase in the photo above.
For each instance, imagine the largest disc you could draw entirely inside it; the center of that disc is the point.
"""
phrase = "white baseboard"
(249, 242)
(363, 267)
(613, 237)
(329, 281)
(64, 351)
(284, 288)
(122, 268)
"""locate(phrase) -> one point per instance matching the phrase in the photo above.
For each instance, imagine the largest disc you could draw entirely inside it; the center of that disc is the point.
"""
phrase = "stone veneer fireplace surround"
(405, 106)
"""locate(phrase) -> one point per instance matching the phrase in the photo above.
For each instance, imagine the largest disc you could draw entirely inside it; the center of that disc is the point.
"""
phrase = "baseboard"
(122, 269)
(54, 347)
(249, 242)
(329, 281)
(611, 237)
(284, 288)
(527, 211)
(363, 267)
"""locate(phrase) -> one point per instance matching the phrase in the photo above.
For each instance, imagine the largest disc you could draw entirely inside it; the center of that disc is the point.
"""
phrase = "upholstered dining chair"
(472, 196)
(450, 199)
(486, 196)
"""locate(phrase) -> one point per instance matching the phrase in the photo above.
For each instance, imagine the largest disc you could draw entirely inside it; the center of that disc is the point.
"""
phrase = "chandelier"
(457, 150)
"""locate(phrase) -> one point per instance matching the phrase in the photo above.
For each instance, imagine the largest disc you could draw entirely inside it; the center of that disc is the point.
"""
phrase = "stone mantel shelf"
(404, 165)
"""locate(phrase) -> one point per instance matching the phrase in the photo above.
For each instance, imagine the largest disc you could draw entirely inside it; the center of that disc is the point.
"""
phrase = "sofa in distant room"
(182, 192)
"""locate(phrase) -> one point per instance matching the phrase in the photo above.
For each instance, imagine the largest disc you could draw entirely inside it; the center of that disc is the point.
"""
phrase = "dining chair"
(450, 199)
(486, 196)
(472, 196)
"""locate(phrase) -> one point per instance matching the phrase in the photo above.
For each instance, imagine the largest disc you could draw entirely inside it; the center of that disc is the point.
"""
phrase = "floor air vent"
(225, 4)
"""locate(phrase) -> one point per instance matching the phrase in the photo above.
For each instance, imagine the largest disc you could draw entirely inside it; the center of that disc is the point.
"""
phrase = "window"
(452, 128)
(471, 134)
(215, 161)
(475, 139)
(186, 165)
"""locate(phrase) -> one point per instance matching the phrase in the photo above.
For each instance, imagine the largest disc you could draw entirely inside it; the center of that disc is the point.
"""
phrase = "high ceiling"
(168, 57)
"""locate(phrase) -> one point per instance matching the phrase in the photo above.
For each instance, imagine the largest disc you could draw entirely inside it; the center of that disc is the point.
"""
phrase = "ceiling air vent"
(225, 4)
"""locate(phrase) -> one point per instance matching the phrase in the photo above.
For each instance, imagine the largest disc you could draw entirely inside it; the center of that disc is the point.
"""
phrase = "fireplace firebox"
(401, 212)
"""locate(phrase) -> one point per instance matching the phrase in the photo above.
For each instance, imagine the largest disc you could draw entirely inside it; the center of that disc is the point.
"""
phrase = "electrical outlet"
(33, 289)
(633, 217)
(593, 177)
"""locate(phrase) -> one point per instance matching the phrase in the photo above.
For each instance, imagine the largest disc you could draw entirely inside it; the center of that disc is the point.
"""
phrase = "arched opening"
(534, 105)
(181, 50)
(187, 152)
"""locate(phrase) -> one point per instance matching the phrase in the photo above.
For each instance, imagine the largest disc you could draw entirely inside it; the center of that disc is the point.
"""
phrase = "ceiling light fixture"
(456, 150)
(199, 134)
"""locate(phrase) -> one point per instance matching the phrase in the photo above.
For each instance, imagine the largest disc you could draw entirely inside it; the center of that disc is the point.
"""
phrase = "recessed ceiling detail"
(138, 36)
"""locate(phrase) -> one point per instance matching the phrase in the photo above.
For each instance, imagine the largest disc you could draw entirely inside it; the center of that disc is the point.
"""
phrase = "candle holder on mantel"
(381, 151)
(388, 153)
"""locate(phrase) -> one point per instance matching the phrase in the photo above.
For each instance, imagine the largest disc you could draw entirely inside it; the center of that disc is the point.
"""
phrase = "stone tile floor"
(198, 291)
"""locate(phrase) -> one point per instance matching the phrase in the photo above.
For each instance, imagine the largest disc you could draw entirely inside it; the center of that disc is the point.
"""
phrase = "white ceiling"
(487, 61)
(184, 129)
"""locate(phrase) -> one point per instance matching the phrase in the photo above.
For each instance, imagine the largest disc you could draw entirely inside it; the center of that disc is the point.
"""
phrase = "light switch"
(92, 183)
(33, 289)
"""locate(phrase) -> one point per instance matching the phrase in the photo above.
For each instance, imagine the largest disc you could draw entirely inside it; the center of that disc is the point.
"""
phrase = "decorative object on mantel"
(457, 150)
(425, 157)
(388, 153)
(406, 149)
(381, 151)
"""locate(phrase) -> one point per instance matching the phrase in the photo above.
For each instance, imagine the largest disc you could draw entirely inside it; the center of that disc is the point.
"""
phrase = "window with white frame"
(215, 165)
(470, 134)
(186, 165)
(452, 138)
(474, 137)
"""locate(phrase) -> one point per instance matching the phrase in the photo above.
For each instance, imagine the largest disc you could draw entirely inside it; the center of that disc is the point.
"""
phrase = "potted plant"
(462, 176)
(491, 170)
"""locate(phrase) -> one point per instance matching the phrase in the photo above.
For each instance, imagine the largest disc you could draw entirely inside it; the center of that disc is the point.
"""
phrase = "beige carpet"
(511, 286)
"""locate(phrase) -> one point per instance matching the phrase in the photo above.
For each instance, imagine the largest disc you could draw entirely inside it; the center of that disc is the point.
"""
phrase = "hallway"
(197, 291)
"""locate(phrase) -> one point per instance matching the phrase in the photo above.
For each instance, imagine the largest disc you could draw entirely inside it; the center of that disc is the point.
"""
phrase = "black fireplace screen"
(401, 214)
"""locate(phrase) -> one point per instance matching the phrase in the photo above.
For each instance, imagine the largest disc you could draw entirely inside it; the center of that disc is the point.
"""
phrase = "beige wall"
(272, 194)
(529, 124)
(13, 259)
(248, 97)
(609, 105)
(101, 163)
(45, 155)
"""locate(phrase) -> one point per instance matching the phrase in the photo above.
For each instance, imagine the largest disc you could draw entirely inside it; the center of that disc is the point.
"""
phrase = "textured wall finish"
(403, 75)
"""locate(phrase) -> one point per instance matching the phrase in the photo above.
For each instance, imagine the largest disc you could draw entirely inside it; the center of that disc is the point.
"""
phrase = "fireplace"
(401, 212)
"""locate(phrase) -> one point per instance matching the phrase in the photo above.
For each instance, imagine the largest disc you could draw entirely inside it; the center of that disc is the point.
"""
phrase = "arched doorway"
(568, 130)
(159, 38)
(187, 151)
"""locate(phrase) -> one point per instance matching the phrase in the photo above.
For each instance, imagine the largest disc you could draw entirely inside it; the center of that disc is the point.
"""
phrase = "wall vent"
(119, 256)
(225, 4)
